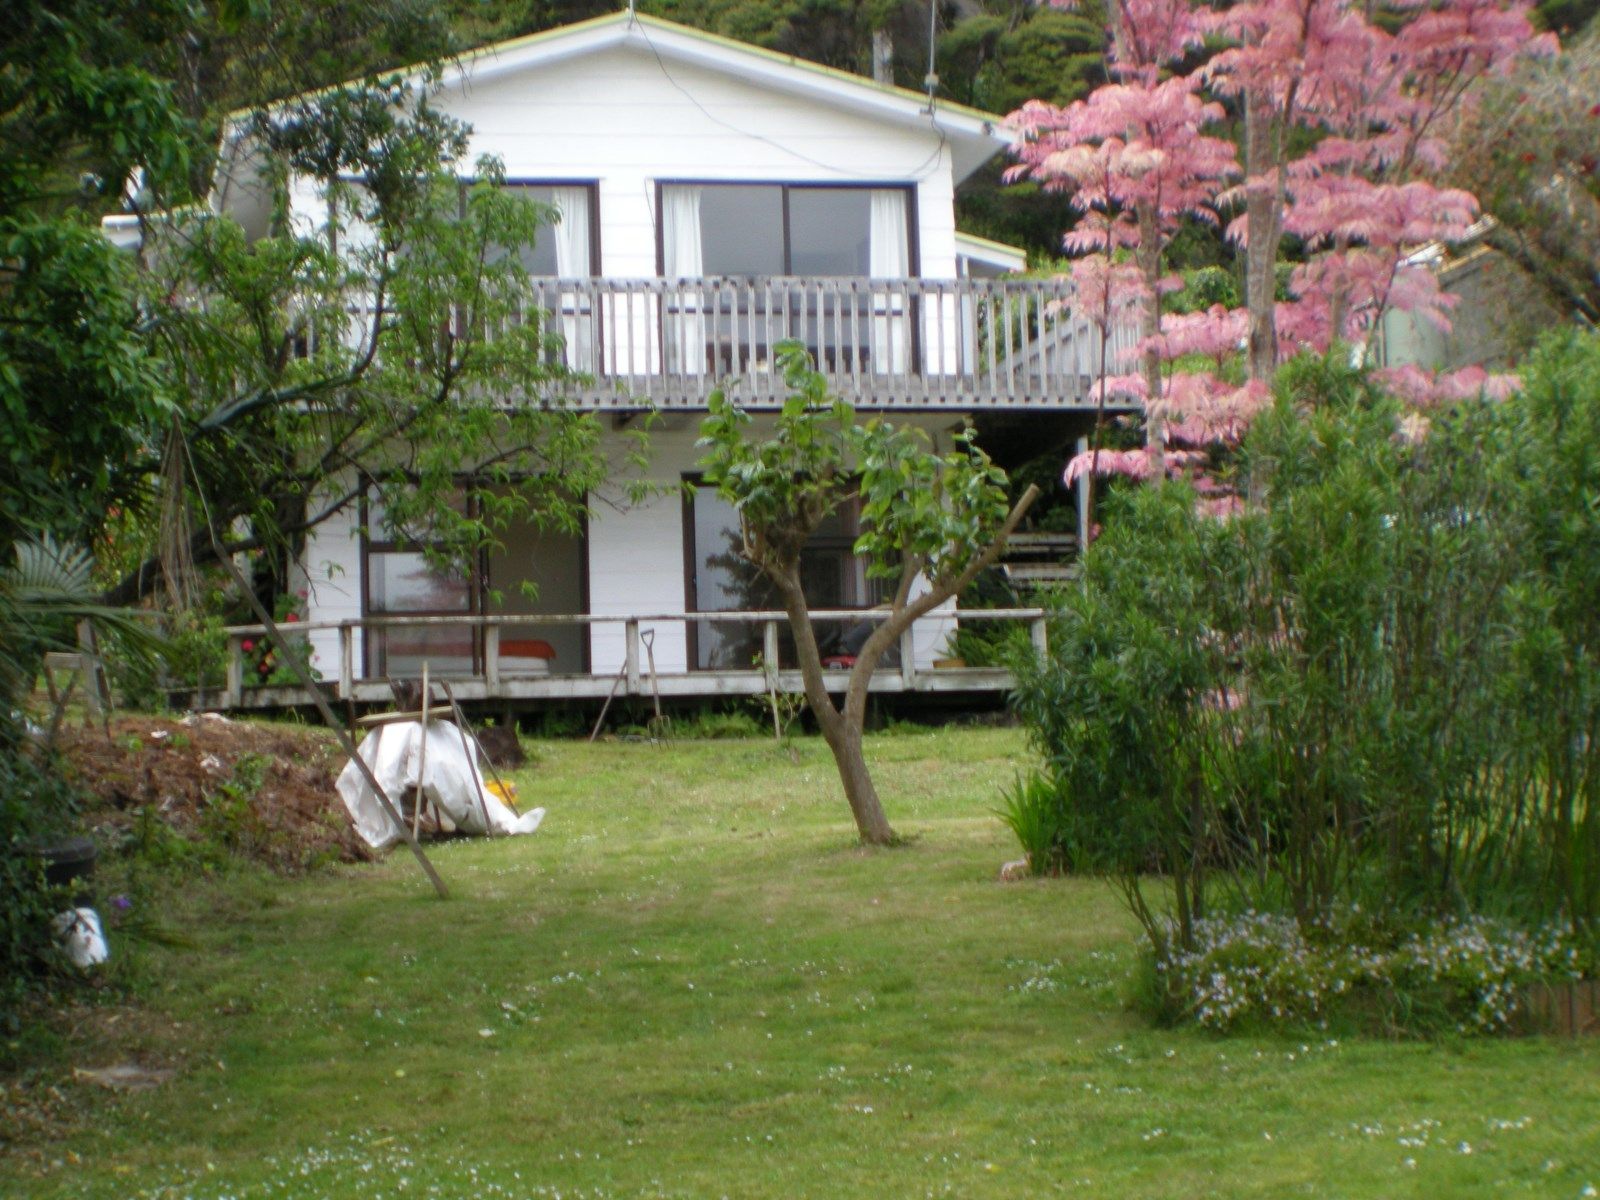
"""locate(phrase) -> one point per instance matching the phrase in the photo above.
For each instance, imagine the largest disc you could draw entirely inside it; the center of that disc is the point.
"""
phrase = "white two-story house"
(715, 199)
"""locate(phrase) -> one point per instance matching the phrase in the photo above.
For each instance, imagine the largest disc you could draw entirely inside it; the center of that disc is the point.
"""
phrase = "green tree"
(77, 113)
(929, 523)
(401, 345)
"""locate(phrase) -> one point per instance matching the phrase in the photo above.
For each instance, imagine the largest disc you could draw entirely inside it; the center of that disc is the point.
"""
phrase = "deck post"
(908, 657)
(347, 659)
(631, 654)
(1038, 630)
(235, 670)
(491, 657)
(769, 653)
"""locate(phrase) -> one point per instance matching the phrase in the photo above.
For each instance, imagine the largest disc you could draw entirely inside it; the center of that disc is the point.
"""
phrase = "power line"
(921, 171)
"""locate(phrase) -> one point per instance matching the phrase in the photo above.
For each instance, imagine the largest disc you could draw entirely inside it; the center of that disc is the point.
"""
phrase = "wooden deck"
(495, 681)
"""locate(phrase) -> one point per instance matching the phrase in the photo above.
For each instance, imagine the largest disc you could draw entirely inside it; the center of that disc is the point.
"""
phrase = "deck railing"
(491, 678)
(970, 343)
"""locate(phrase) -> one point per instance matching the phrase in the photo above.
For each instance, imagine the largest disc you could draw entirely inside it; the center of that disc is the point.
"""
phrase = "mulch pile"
(266, 790)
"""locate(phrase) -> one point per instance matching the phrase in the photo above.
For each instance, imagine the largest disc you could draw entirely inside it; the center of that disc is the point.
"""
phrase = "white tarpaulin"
(447, 776)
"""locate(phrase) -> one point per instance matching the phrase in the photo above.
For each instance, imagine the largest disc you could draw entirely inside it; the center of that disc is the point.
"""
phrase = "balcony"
(895, 343)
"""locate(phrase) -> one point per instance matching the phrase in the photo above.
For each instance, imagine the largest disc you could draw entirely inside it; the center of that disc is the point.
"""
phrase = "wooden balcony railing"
(883, 343)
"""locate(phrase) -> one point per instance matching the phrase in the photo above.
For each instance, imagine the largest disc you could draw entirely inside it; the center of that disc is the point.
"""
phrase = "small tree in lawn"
(929, 524)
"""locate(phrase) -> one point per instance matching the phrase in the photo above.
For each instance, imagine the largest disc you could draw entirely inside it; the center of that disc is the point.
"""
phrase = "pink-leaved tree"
(1135, 161)
(1345, 111)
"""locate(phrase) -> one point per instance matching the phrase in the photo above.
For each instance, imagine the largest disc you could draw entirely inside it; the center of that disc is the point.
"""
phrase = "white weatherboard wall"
(331, 576)
(624, 120)
(636, 560)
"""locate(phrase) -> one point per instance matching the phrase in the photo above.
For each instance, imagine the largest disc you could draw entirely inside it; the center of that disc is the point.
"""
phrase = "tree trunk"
(871, 824)
(842, 731)
(1148, 256)
(1263, 184)
(842, 728)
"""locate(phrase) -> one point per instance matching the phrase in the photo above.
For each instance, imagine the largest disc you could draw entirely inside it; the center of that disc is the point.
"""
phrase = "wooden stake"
(422, 754)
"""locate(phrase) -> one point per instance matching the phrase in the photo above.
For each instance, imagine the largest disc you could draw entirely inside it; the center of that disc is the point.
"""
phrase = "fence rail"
(970, 343)
(491, 678)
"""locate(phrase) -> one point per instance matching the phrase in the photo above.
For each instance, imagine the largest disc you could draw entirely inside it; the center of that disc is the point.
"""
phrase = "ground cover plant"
(1374, 690)
(693, 981)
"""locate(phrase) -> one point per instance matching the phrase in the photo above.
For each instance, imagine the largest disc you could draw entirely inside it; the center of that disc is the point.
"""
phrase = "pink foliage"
(1134, 464)
(1354, 108)
(1127, 144)
(1125, 387)
(1422, 388)
(1217, 333)
(1408, 381)
(1102, 288)
(1199, 409)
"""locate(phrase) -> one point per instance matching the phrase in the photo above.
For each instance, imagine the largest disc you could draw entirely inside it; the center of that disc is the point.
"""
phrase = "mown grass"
(691, 982)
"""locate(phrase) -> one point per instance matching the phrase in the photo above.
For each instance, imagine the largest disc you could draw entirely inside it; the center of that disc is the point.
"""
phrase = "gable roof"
(973, 136)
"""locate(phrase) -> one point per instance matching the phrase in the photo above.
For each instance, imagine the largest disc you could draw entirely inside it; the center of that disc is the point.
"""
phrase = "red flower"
(291, 618)
(247, 645)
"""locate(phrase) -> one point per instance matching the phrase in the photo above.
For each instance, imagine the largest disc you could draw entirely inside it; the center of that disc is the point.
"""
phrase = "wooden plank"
(692, 685)
(631, 654)
(491, 655)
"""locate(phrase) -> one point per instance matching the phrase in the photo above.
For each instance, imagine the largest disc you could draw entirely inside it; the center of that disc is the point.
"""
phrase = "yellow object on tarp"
(507, 791)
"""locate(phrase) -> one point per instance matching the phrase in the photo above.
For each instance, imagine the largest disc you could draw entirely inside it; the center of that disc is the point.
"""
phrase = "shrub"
(35, 803)
(195, 656)
(712, 724)
(1378, 685)
(1034, 811)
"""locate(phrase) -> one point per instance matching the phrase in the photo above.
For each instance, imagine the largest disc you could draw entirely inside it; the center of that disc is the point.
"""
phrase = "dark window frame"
(374, 662)
(590, 186)
(913, 228)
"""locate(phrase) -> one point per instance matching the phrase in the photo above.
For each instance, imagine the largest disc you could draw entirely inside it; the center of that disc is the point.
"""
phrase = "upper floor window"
(784, 229)
(565, 249)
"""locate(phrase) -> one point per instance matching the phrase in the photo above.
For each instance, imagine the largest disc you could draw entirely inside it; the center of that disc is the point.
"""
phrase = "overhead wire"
(923, 170)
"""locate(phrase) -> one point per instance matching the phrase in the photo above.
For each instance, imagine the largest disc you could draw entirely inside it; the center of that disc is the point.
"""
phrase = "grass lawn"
(692, 983)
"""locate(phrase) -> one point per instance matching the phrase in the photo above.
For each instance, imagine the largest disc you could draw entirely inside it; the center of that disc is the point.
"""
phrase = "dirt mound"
(265, 791)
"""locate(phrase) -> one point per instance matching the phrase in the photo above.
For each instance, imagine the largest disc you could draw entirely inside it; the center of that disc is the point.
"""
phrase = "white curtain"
(571, 236)
(571, 232)
(683, 257)
(889, 259)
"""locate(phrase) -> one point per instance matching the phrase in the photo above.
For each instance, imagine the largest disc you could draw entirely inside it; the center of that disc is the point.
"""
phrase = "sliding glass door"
(721, 580)
(764, 234)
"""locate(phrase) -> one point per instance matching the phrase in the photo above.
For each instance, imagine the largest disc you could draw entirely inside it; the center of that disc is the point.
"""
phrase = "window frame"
(591, 188)
(913, 226)
(374, 659)
(693, 483)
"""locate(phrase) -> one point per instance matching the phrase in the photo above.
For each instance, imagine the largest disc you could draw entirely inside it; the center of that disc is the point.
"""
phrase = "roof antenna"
(931, 79)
